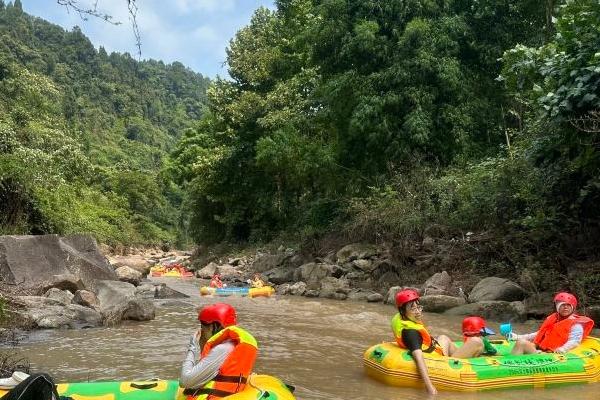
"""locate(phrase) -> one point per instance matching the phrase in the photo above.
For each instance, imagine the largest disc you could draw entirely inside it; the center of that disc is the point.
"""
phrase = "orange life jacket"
(399, 324)
(554, 332)
(236, 368)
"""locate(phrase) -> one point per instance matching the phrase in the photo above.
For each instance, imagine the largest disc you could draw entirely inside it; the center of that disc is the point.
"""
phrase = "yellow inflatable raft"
(392, 365)
(264, 291)
(258, 387)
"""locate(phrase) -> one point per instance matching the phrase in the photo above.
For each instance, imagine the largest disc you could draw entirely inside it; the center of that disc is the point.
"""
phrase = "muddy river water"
(314, 344)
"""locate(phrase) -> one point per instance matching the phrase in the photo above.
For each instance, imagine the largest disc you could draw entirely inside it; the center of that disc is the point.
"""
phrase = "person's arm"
(196, 373)
(422, 368)
(575, 338)
(413, 341)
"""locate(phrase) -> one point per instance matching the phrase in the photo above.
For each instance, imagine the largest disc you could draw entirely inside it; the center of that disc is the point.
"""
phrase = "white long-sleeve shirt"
(194, 372)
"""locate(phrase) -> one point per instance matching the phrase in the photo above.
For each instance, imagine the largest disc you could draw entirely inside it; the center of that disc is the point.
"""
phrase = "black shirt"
(413, 340)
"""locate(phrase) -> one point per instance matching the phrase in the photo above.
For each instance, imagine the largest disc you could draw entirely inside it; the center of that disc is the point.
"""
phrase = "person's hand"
(431, 390)
(512, 336)
(560, 350)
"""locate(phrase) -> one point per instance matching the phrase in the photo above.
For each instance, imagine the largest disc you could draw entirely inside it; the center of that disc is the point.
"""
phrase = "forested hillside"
(83, 134)
(388, 120)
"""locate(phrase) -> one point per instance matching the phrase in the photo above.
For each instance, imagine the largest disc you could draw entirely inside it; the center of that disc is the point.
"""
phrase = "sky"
(193, 32)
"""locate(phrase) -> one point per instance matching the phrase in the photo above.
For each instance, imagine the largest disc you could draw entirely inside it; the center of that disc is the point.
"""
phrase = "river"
(314, 344)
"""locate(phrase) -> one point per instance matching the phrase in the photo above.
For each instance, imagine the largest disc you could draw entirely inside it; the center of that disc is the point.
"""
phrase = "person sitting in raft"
(215, 282)
(257, 282)
(410, 333)
(561, 332)
(476, 327)
(220, 356)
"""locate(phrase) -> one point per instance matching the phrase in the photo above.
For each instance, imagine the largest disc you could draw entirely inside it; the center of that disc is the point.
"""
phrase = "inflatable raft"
(392, 365)
(258, 387)
(264, 291)
(177, 272)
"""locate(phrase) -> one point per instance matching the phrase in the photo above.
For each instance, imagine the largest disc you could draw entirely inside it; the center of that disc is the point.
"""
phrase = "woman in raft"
(560, 332)
(411, 334)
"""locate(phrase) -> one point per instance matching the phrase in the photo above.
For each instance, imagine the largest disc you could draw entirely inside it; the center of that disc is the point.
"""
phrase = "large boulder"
(439, 283)
(438, 303)
(87, 299)
(128, 274)
(207, 271)
(117, 302)
(280, 275)
(64, 296)
(494, 288)
(282, 258)
(539, 305)
(313, 273)
(36, 262)
(136, 261)
(502, 311)
(356, 251)
(297, 289)
(331, 288)
(47, 313)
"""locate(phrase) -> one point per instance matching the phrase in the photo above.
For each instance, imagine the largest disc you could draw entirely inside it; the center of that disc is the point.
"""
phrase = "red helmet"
(220, 312)
(406, 295)
(472, 326)
(566, 298)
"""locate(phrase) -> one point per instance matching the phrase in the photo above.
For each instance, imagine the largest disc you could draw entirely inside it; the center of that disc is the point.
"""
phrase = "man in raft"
(411, 334)
(220, 356)
(560, 332)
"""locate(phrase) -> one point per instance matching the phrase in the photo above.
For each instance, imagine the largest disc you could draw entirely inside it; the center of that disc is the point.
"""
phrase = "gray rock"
(36, 261)
(331, 286)
(46, 313)
(64, 296)
(363, 265)
(502, 311)
(356, 251)
(283, 289)
(87, 299)
(280, 275)
(439, 283)
(266, 262)
(298, 289)
(311, 293)
(136, 262)
(494, 288)
(68, 282)
(438, 303)
(128, 274)
(313, 273)
(374, 298)
(539, 305)
(359, 294)
(594, 313)
(207, 271)
(139, 310)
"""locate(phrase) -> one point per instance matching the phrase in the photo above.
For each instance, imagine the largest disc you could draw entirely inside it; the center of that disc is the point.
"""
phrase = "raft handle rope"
(143, 386)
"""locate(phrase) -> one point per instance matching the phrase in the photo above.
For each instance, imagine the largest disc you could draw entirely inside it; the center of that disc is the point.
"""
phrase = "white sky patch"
(193, 32)
(205, 5)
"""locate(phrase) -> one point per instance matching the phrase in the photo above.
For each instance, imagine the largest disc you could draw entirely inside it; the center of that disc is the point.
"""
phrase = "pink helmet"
(566, 298)
(405, 296)
(220, 312)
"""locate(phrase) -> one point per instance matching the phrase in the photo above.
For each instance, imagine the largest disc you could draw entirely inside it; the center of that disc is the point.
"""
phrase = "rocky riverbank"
(50, 281)
(374, 273)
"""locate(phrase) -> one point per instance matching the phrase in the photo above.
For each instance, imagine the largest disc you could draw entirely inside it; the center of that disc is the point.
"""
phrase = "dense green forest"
(404, 118)
(84, 135)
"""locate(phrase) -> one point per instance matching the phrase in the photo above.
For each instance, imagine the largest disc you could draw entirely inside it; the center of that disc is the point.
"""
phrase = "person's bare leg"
(446, 344)
(472, 348)
(524, 347)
